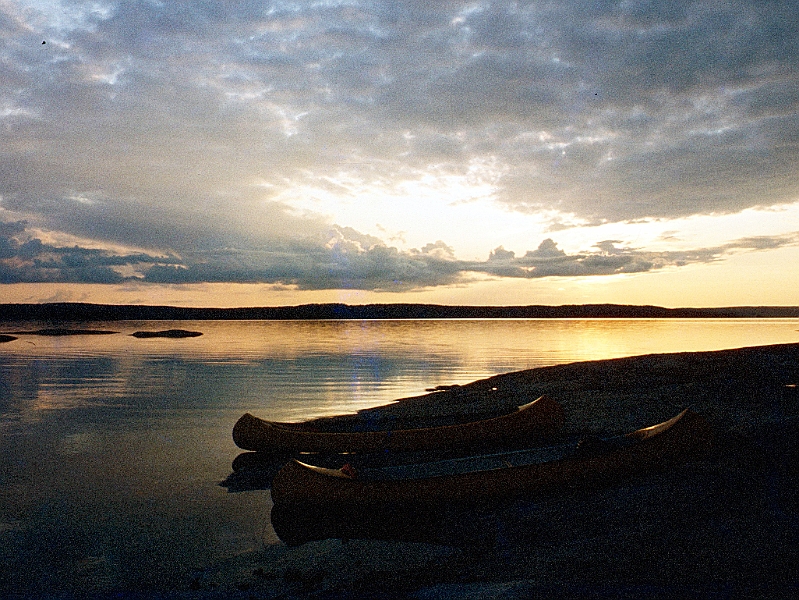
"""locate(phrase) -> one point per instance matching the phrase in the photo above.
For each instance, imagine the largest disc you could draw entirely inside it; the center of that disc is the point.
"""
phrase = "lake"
(113, 447)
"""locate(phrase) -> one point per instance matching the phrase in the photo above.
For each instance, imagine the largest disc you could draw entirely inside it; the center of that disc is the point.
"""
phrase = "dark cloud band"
(345, 262)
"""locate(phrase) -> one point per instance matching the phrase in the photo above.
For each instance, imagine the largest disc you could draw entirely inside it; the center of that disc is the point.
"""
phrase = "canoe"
(488, 479)
(540, 417)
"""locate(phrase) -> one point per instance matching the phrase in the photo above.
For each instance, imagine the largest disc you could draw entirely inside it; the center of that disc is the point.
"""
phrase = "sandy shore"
(726, 525)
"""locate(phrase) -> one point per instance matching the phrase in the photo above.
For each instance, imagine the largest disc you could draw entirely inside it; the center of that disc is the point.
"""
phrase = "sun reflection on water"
(291, 370)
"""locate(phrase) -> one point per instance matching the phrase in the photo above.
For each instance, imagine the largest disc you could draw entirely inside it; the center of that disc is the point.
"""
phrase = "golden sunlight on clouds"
(414, 208)
(686, 233)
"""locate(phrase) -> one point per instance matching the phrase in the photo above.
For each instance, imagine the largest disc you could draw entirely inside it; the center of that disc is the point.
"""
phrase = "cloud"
(349, 260)
(178, 127)
(610, 259)
(24, 258)
(621, 111)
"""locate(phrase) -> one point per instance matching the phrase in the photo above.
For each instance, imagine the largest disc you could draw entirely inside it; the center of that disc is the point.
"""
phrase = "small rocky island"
(59, 331)
(168, 333)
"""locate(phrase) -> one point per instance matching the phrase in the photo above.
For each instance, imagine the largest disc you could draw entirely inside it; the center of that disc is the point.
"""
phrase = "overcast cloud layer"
(175, 133)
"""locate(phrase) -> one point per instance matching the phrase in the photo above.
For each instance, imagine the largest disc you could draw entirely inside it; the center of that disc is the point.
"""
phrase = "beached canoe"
(540, 417)
(492, 478)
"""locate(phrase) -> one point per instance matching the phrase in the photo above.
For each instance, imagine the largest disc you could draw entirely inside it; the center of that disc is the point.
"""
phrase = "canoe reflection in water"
(452, 502)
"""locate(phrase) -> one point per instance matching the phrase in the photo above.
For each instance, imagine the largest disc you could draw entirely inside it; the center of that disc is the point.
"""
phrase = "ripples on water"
(297, 370)
(112, 446)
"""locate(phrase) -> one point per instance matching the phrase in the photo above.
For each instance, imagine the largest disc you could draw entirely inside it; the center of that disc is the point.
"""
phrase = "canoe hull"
(541, 417)
(688, 433)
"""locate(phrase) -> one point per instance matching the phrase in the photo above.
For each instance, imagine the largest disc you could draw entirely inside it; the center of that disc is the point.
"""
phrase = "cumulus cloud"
(24, 258)
(348, 260)
(611, 259)
(179, 126)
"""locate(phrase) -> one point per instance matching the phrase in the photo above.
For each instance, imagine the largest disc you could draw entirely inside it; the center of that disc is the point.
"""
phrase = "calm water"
(112, 447)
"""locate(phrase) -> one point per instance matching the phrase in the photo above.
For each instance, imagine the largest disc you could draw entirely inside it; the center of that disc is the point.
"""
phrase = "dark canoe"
(493, 478)
(540, 417)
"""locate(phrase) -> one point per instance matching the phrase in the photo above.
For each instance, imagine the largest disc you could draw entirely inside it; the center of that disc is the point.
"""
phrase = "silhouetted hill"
(68, 311)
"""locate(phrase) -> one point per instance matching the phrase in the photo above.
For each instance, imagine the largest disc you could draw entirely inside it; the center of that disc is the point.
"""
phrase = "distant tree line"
(69, 311)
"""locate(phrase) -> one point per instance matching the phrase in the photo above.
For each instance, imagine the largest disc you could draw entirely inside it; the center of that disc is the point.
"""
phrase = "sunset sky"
(256, 153)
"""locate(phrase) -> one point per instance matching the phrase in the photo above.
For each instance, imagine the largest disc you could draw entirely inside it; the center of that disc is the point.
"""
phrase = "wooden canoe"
(540, 417)
(489, 479)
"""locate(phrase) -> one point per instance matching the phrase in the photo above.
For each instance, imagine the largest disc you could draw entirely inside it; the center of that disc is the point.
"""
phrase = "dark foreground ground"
(723, 526)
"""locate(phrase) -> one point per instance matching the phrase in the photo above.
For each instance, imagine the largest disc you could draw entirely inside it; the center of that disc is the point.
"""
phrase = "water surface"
(112, 447)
